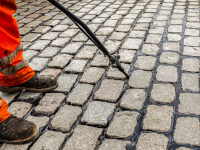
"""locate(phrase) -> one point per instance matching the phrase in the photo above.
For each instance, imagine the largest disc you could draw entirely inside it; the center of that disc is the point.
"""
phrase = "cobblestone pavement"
(94, 106)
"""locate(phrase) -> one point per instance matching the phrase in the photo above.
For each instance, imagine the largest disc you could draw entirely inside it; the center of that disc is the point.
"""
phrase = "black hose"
(84, 28)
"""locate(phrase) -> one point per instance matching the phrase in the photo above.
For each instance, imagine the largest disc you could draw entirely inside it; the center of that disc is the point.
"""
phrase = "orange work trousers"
(14, 70)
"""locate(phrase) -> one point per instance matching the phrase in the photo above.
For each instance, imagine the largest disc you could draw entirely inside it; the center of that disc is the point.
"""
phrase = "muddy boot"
(39, 83)
(17, 130)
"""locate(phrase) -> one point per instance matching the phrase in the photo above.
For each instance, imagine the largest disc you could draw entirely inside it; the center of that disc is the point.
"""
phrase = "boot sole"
(17, 89)
(23, 141)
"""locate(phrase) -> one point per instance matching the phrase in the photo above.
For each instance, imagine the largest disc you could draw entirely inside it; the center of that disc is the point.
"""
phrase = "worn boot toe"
(17, 130)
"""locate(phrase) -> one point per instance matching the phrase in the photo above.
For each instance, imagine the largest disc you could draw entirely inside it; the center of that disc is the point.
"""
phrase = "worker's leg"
(14, 70)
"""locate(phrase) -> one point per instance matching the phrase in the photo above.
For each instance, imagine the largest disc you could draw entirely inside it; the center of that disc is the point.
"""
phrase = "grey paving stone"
(175, 28)
(178, 16)
(98, 20)
(169, 58)
(113, 144)
(160, 23)
(133, 99)
(190, 82)
(52, 23)
(49, 52)
(191, 32)
(173, 37)
(162, 17)
(60, 42)
(114, 73)
(51, 71)
(40, 44)
(26, 45)
(132, 43)
(112, 46)
(60, 60)
(167, 74)
(187, 131)
(144, 20)
(30, 37)
(49, 140)
(191, 64)
(110, 23)
(191, 51)
(37, 64)
(141, 26)
(150, 49)
(65, 82)
(176, 22)
(127, 21)
(97, 113)
(49, 103)
(158, 118)
(123, 124)
(104, 31)
(28, 54)
(19, 109)
(87, 52)
(100, 61)
(92, 75)
(84, 138)
(191, 41)
(39, 121)
(193, 25)
(9, 97)
(69, 33)
(171, 46)
(152, 141)
(42, 29)
(145, 62)
(189, 103)
(109, 90)
(192, 19)
(126, 56)
(15, 147)
(156, 30)
(50, 36)
(72, 48)
(183, 148)
(80, 94)
(147, 15)
(140, 79)
(114, 16)
(59, 16)
(117, 36)
(24, 30)
(76, 66)
(59, 28)
(153, 38)
(163, 93)
(29, 96)
(32, 23)
(123, 28)
(65, 118)
(137, 34)
(80, 37)
(93, 27)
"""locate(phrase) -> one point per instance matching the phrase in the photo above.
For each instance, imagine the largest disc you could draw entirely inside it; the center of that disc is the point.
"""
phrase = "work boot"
(39, 83)
(17, 130)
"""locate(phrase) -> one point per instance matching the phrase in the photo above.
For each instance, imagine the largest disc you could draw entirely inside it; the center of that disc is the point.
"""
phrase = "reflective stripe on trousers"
(14, 69)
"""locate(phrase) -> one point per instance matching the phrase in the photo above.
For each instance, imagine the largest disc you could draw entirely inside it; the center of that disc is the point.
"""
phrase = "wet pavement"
(95, 106)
